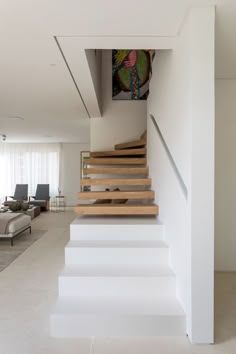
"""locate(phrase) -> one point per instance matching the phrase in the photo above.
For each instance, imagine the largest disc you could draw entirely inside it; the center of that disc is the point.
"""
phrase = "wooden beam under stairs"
(129, 152)
(116, 171)
(116, 161)
(131, 144)
(117, 209)
(116, 182)
(117, 195)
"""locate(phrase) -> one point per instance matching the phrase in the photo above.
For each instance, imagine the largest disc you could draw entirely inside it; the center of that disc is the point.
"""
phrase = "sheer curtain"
(28, 163)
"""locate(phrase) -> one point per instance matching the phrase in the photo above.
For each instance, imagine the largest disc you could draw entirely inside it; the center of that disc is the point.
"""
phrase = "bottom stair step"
(115, 316)
(117, 209)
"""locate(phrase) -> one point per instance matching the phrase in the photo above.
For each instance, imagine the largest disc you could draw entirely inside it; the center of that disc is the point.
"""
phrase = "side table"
(60, 203)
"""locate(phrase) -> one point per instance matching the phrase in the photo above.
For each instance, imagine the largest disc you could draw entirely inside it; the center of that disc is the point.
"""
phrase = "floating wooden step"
(131, 144)
(116, 171)
(129, 152)
(117, 209)
(116, 161)
(117, 195)
(116, 182)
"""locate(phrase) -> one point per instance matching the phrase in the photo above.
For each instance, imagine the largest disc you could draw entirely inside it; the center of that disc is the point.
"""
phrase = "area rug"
(23, 241)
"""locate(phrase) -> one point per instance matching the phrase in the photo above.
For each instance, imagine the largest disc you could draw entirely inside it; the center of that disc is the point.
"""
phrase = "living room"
(56, 164)
(56, 103)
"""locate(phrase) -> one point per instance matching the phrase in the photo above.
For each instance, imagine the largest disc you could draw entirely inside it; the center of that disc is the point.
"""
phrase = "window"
(28, 163)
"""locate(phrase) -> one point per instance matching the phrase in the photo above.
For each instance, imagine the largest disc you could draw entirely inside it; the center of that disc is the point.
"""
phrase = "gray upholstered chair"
(21, 194)
(41, 197)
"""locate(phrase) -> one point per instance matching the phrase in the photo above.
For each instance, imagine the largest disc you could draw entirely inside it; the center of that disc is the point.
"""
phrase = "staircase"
(117, 279)
(127, 159)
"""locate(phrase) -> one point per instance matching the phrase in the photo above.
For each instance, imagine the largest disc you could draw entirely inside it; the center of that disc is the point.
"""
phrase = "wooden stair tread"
(117, 209)
(116, 161)
(129, 152)
(131, 144)
(116, 170)
(130, 159)
(116, 182)
(117, 195)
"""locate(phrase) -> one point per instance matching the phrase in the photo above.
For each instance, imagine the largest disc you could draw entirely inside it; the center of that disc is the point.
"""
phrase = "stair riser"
(116, 286)
(91, 325)
(116, 256)
(131, 144)
(129, 152)
(116, 161)
(117, 171)
(117, 209)
(116, 232)
(135, 195)
(126, 182)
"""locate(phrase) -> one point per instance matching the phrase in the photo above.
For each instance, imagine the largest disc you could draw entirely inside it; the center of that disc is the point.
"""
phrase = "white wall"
(173, 209)
(182, 102)
(225, 202)
(70, 171)
(169, 100)
(121, 120)
(169, 104)
(201, 196)
(94, 58)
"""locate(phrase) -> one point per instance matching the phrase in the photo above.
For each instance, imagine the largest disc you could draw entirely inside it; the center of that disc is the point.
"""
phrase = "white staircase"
(117, 281)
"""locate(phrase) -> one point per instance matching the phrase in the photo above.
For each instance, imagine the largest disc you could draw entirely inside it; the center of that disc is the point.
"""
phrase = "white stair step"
(117, 316)
(116, 228)
(117, 252)
(116, 280)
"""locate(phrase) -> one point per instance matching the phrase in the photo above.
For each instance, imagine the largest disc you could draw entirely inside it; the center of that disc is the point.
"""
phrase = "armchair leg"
(12, 241)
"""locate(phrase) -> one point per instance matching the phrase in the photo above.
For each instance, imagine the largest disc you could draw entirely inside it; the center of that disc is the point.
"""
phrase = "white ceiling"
(35, 82)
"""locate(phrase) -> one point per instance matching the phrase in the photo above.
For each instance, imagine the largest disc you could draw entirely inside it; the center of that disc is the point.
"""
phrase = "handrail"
(172, 162)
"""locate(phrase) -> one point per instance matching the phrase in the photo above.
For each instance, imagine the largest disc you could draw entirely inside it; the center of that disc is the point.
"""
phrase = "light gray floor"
(28, 288)
(22, 241)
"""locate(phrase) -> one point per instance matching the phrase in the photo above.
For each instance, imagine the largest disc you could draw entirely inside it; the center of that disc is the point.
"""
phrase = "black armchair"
(41, 197)
(21, 194)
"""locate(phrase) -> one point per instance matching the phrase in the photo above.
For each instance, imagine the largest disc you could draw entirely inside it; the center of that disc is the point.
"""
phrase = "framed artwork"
(131, 73)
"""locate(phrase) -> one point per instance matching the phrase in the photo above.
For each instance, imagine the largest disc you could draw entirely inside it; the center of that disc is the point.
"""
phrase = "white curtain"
(31, 164)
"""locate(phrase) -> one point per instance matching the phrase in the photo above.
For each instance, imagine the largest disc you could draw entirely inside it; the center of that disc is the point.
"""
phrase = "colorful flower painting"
(131, 73)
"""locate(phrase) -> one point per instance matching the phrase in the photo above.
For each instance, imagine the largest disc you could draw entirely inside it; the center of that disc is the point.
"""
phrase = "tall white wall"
(169, 100)
(182, 103)
(201, 196)
(225, 202)
(121, 120)
(173, 209)
(70, 171)
(169, 104)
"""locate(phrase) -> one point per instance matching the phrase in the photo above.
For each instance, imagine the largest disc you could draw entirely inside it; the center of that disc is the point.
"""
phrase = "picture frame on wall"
(131, 73)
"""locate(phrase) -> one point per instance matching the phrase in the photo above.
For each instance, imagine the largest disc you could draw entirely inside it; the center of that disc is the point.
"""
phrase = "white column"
(201, 194)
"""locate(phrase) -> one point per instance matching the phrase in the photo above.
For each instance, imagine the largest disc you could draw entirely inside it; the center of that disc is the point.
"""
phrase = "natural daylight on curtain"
(28, 164)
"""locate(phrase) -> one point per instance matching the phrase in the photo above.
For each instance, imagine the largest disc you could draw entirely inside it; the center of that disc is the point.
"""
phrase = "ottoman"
(18, 224)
